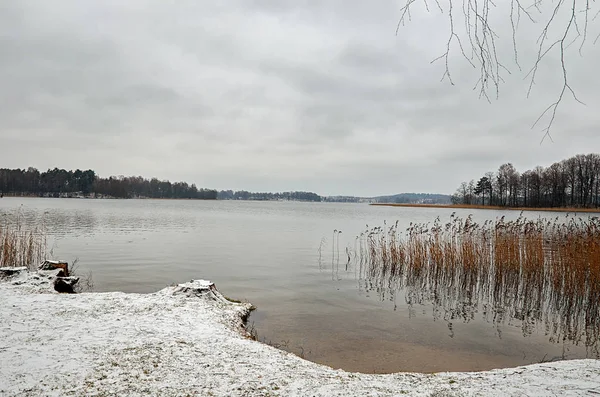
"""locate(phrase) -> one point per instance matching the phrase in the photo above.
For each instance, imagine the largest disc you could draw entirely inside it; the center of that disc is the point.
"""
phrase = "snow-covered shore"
(188, 340)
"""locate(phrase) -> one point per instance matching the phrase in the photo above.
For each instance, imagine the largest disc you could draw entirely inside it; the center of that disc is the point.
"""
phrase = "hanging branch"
(482, 40)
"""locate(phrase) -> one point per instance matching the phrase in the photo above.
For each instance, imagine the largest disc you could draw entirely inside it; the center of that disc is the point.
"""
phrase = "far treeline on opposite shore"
(62, 183)
(573, 183)
(570, 183)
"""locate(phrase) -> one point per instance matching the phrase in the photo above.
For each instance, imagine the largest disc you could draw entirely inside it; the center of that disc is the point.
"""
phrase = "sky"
(269, 95)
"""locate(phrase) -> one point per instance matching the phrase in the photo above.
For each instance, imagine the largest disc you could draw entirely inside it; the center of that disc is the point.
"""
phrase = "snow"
(53, 261)
(188, 340)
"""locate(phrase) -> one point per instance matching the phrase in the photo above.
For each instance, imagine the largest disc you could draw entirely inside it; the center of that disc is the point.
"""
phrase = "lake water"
(278, 255)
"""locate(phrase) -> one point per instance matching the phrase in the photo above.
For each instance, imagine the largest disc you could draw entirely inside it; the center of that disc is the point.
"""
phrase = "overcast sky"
(270, 95)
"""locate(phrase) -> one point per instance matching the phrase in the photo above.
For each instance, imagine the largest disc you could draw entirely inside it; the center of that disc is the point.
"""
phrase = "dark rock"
(65, 284)
(8, 272)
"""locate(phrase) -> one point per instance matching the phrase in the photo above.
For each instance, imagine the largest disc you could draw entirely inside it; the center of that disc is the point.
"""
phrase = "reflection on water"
(522, 273)
(344, 314)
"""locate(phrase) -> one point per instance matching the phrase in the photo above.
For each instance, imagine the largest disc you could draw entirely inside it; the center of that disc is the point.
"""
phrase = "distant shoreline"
(488, 207)
(157, 198)
(108, 198)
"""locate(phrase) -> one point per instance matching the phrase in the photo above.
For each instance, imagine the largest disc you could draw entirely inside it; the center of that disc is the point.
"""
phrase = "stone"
(65, 284)
(8, 272)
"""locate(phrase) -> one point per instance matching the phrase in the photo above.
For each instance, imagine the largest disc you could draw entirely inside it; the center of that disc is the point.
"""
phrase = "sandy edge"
(188, 340)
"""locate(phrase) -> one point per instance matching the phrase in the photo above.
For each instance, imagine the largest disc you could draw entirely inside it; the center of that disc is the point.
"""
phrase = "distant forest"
(574, 182)
(415, 198)
(63, 183)
(244, 195)
(402, 198)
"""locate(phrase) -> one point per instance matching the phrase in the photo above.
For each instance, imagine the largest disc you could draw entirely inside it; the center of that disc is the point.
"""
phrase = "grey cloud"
(269, 95)
(137, 95)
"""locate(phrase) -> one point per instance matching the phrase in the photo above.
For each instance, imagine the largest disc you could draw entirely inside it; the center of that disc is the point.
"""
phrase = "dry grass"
(491, 207)
(534, 271)
(21, 246)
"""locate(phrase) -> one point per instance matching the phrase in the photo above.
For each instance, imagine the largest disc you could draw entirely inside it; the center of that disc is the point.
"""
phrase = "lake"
(286, 259)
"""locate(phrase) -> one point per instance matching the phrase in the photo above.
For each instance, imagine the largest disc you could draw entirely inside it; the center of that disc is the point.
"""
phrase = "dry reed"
(492, 207)
(535, 271)
(20, 245)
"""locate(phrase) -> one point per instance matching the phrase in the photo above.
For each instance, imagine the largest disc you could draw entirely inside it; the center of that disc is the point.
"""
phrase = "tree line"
(62, 183)
(414, 198)
(245, 195)
(574, 182)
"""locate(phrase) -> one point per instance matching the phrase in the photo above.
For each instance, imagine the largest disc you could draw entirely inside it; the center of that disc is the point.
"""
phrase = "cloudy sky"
(269, 95)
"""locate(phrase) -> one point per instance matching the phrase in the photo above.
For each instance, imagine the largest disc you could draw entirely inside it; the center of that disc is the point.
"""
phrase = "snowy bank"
(188, 340)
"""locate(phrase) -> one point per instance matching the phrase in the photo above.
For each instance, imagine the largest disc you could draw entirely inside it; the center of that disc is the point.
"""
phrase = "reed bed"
(535, 271)
(493, 207)
(21, 245)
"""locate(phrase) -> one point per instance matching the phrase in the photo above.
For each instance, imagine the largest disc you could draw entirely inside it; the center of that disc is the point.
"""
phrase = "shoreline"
(156, 198)
(487, 207)
(104, 198)
(190, 340)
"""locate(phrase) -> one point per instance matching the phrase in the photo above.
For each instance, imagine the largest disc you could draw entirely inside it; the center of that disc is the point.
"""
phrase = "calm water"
(268, 253)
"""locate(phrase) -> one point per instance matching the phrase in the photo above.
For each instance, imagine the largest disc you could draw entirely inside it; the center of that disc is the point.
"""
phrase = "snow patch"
(198, 288)
(189, 340)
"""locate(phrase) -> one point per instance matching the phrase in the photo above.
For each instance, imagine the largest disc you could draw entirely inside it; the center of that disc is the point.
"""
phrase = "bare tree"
(557, 185)
(514, 179)
(525, 188)
(470, 27)
(574, 182)
(506, 180)
(471, 190)
(465, 193)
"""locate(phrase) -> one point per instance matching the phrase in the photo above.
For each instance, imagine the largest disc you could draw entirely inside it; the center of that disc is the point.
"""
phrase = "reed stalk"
(20, 245)
(535, 271)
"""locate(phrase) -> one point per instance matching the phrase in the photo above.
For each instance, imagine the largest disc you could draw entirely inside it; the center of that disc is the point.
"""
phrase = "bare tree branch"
(566, 87)
(482, 40)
